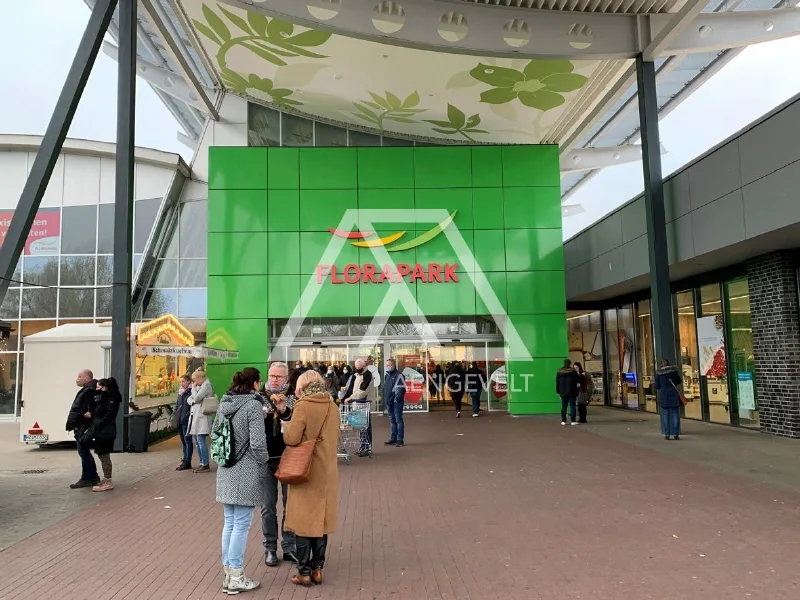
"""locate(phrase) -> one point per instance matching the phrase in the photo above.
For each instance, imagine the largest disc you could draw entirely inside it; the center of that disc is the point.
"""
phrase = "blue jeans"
(88, 466)
(234, 534)
(202, 448)
(186, 441)
(670, 421)
(395, 410)
(568, 401)
(476, 402)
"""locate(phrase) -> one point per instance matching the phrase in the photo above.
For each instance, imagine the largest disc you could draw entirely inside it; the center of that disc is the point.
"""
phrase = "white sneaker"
(475, 415)
(226, 579)
(239, 582)
(574, 423)
(563, 422)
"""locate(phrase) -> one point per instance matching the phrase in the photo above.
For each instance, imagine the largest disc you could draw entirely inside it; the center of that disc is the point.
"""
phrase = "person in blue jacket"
(669, 399)
(394, 391)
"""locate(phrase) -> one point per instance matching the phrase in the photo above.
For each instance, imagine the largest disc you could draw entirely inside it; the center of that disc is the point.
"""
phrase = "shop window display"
(741, 358)
(689, 360)
(586, 347)
(713, 359)
(647, 361)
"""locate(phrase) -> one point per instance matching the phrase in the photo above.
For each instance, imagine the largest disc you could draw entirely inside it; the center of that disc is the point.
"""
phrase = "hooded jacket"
(668, 396)
(567, 382)
(83, 403)
(239, 485)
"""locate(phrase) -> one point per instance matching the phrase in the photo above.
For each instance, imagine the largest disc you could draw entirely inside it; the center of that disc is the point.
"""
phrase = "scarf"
(276, 418)
(315, 387)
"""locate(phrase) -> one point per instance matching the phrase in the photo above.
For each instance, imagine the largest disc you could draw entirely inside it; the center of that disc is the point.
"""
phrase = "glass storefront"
(688, 359)
(586, 347)
(740, 354)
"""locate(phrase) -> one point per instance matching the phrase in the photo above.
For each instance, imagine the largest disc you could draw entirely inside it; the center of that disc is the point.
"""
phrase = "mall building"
(380, 186)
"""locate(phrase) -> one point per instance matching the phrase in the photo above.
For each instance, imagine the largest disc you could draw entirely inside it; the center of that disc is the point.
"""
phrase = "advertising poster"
(415, 381)
(711, 338)
(747, 397)
(498, 382)
(45, 233)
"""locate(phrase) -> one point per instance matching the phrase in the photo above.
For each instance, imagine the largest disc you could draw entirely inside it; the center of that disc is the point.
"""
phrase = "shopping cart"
(353, 424)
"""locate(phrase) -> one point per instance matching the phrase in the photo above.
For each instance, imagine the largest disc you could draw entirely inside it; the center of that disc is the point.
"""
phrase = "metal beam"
(588, 159)
(661, 298)
(659, 44)
(53, 140)
(123, 211)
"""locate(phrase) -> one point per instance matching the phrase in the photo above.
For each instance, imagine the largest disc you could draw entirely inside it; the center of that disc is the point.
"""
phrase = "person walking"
(199, 424)
(584, 392)
(438, 382)
(476, 384)
(78, 419)
(567, 384)
(184, 409)
(104, 428)
(238, 488)
(394, 391)
(276, 393)
(456, 383)
(312, 510)
(669, 399)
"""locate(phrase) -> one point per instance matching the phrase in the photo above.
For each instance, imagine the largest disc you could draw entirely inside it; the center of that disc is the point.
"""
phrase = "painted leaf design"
(457, 118)
(461, 80)
(383, 103)
(497, 76)
(498, 95)
(298, 75)
(444, 131)
(236, 20)
(278, 29)
(539, 69)
(394, 101)
(475, 131)
(295, 50)
(217, 24)
(271, 48)
(473, 121)
(399, 119)
(504, 111)
(564, 82)
(374, 105)
(265, 54)
(206, 31)
(366, 111)
(411, 101)
(439, 123)
(312, 37)
(265, 85)
(258, 22)
(409, 111)
(365, 118)
(541, 100)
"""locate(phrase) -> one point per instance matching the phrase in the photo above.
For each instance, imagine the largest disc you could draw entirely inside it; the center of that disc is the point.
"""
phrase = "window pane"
(387, 141)
(105, 270)
(613, 358)
(145, 213)
(41, 271)
(8, 382)
(137, 260)
(193, 273)
(17, 277)
(192, 303)
(328, 135)
(19, 382)
(10, 344)
(263, 126)
(166, 274)
(77, 270)
(646, 352)
(78, 229)
(10, 306)
(194, 229)
(39, 303)
(103, 302)
(158, 303)
(713, 367)
(76, 303)
(359, 138)
(690, 365)
(297, 131)
(105, 229)
(586, 347)
(740, 334)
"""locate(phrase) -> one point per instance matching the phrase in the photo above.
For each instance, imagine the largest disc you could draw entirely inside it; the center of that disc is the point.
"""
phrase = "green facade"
(270, 211)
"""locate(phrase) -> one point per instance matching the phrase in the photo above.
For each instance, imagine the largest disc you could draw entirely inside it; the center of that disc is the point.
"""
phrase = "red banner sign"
(370, 273)
(44, 235)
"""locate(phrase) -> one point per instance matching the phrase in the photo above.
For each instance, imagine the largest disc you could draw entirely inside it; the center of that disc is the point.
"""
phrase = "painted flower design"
(540, 85)
(239, 84)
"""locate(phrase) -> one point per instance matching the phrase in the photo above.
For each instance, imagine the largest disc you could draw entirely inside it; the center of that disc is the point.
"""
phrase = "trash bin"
(138, 430)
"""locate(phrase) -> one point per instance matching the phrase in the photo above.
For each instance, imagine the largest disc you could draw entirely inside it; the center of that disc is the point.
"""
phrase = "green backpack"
(223, 443)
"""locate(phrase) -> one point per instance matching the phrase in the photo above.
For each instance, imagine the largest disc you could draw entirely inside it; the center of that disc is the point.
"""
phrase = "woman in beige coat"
(311, 507)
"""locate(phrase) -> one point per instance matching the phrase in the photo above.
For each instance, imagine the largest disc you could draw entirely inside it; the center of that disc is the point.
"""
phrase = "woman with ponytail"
(238, 488)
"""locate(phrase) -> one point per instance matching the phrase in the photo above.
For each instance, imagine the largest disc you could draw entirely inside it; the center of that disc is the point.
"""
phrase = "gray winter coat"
(239, 484)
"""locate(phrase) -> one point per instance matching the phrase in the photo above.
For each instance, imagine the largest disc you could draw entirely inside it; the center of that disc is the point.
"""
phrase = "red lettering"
(352, 273)
(434, 272)
(450, 272)
(368, 274)
(322, 270)
(403, 269)
(334, 279)
(386, 273)
(419, 273)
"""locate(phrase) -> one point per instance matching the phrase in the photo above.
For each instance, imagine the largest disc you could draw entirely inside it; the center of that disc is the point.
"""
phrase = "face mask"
(359, 370)
(389, 369)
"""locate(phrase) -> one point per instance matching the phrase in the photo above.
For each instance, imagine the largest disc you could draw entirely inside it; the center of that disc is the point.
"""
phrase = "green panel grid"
(531, 166)
(534, 250)
(440, 250)
(447, 298)
(284, 168)
(284, 210)
(443, 167)
(237, 253)
(545, 336)
(237, 210)
(497, 284)
(331, 300)
(283, 253)
(328, 169)
(237, 168)
(487, 208)
(312, 248)
(532, 207)
(487, 166)
(400, 200)
(323, 209)
(536, 292)
(458, 200)
(237, 297)
(490, 249)
(284, 293)
(373, 295)
(386, 167)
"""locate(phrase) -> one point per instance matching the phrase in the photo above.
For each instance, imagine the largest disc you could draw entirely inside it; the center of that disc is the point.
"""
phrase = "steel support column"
(123, 212)
(661, 298)
(53, 140)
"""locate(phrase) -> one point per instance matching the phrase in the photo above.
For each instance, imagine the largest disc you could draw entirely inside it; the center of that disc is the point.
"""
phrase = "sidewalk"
(489, 508)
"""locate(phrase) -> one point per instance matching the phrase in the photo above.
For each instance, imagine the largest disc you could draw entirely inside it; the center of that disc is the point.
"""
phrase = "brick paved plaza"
(489, 508)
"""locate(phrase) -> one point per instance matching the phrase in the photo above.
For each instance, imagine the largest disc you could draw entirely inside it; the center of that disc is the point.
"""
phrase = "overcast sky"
(38, 42)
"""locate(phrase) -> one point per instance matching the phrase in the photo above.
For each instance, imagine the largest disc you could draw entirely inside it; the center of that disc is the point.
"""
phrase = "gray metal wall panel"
(606, 235)
(772, 201)
(576, 252)
(680, 239)
(719, 223)
(771, 145)
(636, 259)
(578, 280)
(610, 267)
(715, 176)
(677, 199)
(634, 223)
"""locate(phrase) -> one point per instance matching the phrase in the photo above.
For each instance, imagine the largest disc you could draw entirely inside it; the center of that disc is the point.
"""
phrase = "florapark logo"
(357, 227)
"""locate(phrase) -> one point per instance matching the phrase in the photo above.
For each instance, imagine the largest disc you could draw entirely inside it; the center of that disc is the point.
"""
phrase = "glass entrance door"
(412, 360)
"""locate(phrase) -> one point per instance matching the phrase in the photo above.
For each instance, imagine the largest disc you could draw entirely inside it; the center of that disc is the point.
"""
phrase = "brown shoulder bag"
(295, 465)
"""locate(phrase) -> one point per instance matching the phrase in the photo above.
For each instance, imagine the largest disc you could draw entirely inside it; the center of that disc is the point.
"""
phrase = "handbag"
(583, 399)
(210, 405)
(85, 435)
(680, 394)
(295, 465)
(175, 419)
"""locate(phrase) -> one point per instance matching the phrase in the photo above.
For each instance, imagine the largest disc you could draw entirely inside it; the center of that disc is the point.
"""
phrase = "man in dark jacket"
(275, 392)
(567, 385)
(394, 391)
(365, 393)
(476, 384)
(184, 410)
(79, 418)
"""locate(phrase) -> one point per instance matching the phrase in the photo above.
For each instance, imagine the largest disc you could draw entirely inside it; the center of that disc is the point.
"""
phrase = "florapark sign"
(371, 273)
